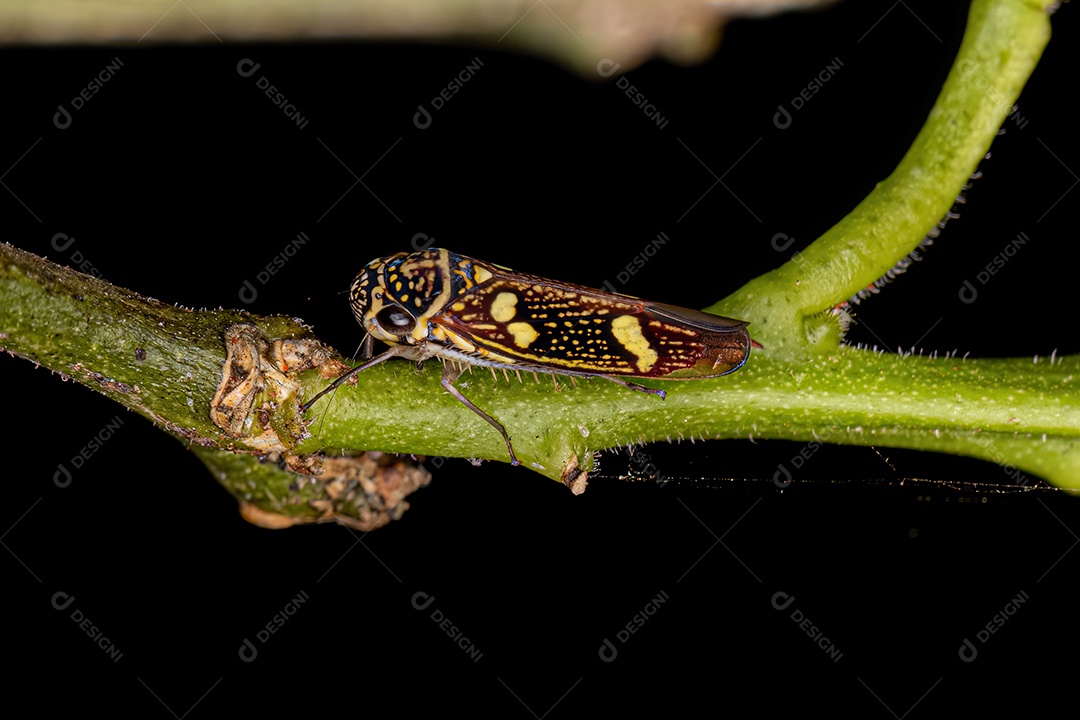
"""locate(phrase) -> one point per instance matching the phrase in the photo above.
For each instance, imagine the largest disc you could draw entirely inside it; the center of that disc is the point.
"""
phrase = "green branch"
(1013, 412)
(1003, 42)
(166, 364)
(230, 384)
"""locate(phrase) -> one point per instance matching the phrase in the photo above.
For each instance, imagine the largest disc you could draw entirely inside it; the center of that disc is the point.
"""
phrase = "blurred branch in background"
(572, 33)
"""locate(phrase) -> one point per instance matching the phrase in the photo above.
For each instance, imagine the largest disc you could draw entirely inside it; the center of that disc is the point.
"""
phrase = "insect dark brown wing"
(521, 320)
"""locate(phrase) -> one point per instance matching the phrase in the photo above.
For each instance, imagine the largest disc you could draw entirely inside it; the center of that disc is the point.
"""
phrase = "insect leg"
(635, 386)
(448, 378)
(392, 352)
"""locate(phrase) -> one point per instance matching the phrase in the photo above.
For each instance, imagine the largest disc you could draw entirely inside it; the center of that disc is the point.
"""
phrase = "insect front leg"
(396, 351)
(450, 374)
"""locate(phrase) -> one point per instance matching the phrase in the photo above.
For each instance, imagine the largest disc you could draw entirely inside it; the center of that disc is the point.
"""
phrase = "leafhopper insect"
(437, 304)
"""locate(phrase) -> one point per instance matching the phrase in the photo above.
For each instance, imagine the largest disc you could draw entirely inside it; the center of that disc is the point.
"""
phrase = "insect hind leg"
(448, 377)
(634, 386)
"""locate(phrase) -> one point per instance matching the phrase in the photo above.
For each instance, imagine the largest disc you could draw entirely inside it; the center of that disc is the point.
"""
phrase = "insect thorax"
(420, 284)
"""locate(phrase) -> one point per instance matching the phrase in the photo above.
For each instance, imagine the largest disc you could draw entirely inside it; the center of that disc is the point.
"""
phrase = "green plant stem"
(1002, 44)
(1014, 412)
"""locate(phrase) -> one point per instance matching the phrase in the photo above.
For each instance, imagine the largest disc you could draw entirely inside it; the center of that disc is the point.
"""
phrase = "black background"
(180, 180)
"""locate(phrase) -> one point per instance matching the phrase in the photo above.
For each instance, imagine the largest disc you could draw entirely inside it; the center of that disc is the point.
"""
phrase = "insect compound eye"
(396, 321)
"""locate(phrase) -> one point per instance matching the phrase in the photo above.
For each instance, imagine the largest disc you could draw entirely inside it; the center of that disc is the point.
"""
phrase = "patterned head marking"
(396, 297)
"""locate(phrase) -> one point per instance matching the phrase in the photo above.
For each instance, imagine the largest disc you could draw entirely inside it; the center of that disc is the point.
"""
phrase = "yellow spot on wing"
(481, 274)
(523, 333)
(627, 330)
(503, 308)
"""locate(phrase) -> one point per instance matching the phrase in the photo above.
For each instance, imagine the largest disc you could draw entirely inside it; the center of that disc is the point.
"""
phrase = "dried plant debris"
(257, 379)
(574, 477)
(252, 407)
(363, 492)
